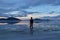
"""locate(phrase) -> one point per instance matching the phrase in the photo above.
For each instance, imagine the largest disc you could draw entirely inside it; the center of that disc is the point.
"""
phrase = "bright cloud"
(36, 15)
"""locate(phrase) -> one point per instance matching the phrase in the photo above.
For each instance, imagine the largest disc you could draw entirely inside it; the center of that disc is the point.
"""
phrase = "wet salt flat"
(21, 31)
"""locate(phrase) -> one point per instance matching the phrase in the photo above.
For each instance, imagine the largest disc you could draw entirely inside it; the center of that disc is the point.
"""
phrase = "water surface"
(21, 31)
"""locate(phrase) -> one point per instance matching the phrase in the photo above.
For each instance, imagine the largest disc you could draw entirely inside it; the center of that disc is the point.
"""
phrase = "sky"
(28, 8)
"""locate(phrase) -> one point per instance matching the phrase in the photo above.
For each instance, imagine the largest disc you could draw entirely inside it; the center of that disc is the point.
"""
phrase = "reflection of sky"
(17, 7)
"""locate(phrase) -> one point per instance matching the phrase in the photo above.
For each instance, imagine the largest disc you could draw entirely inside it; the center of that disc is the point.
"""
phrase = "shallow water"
(21, 31)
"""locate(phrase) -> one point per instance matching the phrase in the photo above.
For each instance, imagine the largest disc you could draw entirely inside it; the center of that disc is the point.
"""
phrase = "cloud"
(37, 15)
(7, 6)
(22, 4)
(16, 13)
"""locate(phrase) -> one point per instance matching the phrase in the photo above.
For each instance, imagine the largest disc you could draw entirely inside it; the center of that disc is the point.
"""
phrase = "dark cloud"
(22, 4)
(18, 5)
(26, 3)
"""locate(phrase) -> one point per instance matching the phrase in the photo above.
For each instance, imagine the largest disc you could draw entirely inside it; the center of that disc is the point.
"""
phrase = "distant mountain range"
(10, 20)
(52, 18)
(41, 20)
(37, 20)
(47, 19)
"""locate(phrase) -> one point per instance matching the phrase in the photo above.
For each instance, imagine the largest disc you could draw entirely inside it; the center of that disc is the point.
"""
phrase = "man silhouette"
(31, 23)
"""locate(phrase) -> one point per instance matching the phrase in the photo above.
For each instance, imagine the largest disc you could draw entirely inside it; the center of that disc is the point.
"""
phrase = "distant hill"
(10, 20)
(41, 20)
(52, 18)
